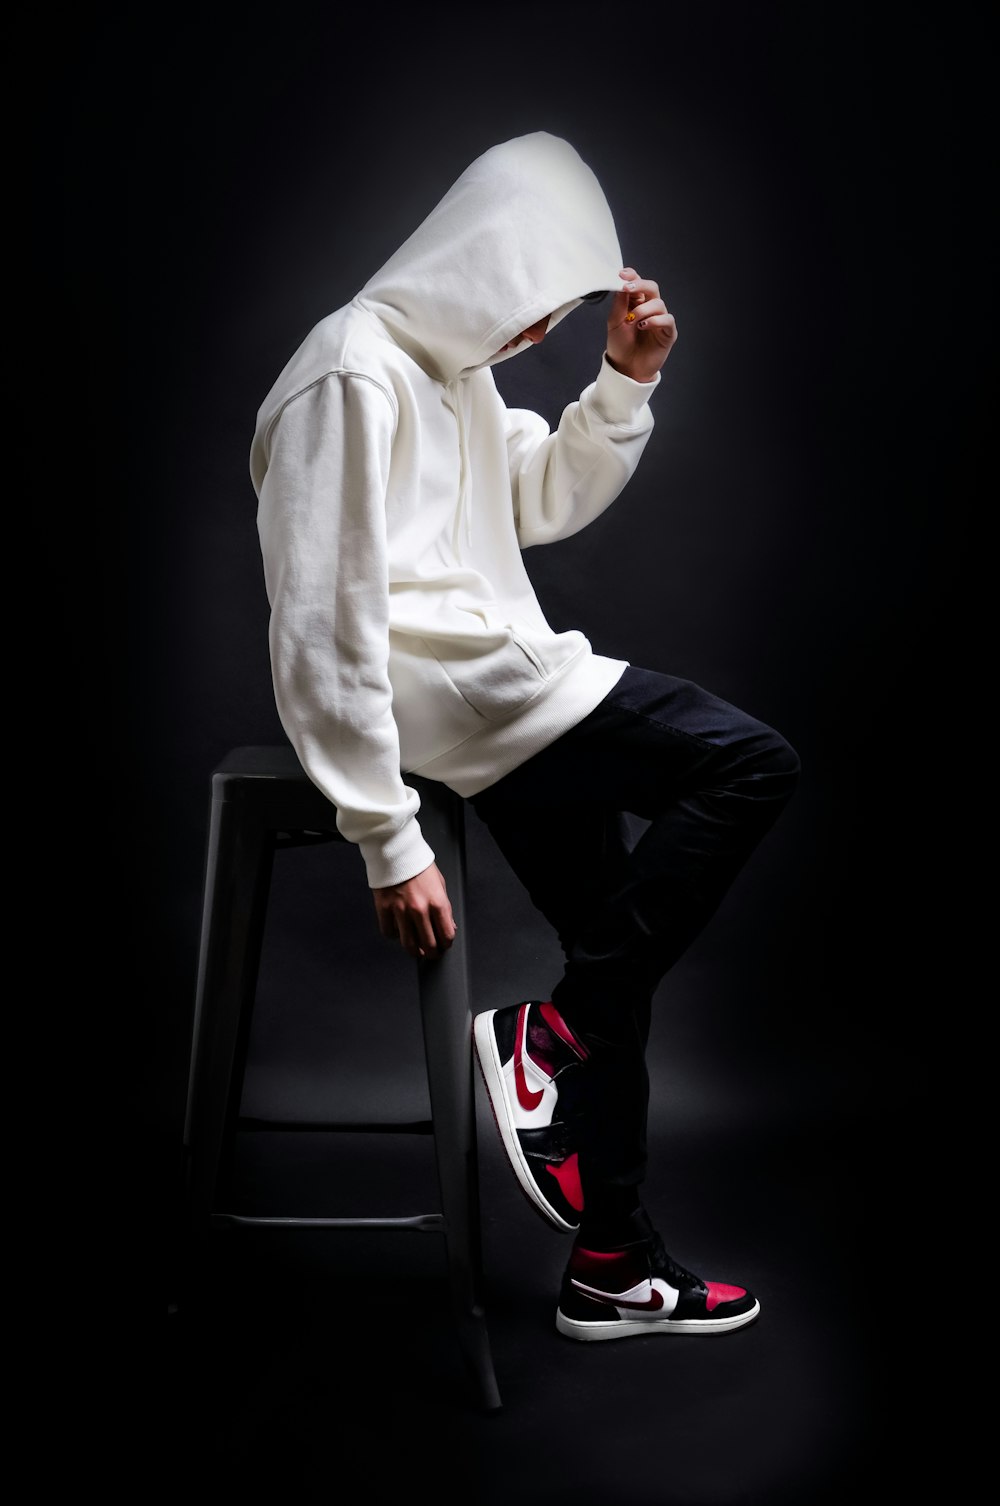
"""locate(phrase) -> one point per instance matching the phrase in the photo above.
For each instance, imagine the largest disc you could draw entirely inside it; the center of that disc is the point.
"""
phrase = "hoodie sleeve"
(321, 521)
(562, 481)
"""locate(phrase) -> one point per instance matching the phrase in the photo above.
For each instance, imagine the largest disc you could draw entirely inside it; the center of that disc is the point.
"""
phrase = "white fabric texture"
(396, 492)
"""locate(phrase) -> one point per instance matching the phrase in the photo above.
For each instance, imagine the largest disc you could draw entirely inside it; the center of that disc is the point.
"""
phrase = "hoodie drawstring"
(464, 510)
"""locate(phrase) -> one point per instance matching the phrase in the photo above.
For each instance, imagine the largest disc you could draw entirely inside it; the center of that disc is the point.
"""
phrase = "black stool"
(262, 800)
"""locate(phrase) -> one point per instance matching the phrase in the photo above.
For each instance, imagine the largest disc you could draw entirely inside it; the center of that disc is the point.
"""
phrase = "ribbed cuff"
(404, 856)
(618, 399)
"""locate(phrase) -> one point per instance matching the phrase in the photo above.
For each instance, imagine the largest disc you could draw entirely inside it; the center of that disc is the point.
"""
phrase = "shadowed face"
(536, 334)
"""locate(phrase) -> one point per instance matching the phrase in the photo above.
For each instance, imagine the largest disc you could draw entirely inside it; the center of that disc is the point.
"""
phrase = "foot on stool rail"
(524, 1053)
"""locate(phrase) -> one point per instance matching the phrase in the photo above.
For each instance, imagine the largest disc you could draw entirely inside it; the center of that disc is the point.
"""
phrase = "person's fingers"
(394, 925)
(444, 925)
(418, 915)
(637, 295)
(416, 931)
(433, 931)
(409, 938)
(643, 310)
(427, 942)
(386, 922)
(637, 287)
(659, 323)
(620, 300)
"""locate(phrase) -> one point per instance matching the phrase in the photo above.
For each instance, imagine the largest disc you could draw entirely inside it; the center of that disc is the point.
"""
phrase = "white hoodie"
(396, 492)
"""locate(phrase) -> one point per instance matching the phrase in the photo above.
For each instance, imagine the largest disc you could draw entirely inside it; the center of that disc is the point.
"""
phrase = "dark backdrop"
(795, 538)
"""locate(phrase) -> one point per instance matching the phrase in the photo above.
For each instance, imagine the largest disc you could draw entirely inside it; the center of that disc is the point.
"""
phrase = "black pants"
(710, 780)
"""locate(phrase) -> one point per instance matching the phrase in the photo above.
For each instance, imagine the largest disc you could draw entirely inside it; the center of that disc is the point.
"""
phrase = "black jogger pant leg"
(711, 780)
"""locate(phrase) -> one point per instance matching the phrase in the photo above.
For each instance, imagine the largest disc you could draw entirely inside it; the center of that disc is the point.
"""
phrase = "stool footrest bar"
(298, 1126)
(418, 1221)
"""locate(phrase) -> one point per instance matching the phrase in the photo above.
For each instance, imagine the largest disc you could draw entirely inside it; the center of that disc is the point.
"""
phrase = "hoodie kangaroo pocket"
(502, 669)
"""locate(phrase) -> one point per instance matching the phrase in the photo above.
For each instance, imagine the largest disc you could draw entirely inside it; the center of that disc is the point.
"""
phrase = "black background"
(805, 184)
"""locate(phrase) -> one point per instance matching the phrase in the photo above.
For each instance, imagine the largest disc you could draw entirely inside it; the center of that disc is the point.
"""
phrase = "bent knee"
(780, 763)
(786, 758)
(769, 766)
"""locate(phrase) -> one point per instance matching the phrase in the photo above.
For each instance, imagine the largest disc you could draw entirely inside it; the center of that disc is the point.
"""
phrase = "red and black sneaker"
(524, 1052)
(636, 1288)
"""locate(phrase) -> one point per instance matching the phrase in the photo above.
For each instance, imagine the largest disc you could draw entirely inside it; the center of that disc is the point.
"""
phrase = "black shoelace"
(665, 1265)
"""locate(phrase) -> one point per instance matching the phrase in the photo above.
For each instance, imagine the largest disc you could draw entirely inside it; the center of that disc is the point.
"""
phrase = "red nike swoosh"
(525, 1097)
(652, 1303)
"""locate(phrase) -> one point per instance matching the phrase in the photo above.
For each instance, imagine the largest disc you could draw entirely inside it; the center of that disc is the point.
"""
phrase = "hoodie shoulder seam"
(344, 371)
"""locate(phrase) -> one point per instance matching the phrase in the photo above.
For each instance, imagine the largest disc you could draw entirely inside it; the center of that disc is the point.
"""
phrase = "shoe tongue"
(642, 1230)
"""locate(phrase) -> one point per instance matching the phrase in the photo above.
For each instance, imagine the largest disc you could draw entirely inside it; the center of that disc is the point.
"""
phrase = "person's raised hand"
(641, 331)
(417, 914)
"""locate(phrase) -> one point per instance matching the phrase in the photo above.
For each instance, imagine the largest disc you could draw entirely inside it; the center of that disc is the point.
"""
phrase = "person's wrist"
(623, 371)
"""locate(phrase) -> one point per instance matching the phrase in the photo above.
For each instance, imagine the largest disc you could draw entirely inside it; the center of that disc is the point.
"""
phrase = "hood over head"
(524, 232)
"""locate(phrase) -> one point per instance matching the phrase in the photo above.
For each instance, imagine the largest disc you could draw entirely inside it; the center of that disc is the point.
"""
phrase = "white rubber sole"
(627, 1328)
(491, 1068)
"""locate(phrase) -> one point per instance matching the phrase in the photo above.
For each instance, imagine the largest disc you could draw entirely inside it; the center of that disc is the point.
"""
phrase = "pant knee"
(779, 766)
(786, 759)
(767, 767)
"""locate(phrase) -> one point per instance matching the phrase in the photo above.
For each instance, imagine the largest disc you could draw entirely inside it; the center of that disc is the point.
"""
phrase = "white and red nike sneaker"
(636, 1288)
(524, 1052)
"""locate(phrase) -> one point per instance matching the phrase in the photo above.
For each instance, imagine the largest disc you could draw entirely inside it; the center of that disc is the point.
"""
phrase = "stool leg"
(237, 882)
(447, 1029)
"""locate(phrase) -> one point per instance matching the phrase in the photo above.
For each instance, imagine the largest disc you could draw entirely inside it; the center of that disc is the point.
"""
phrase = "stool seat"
(261, 801)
